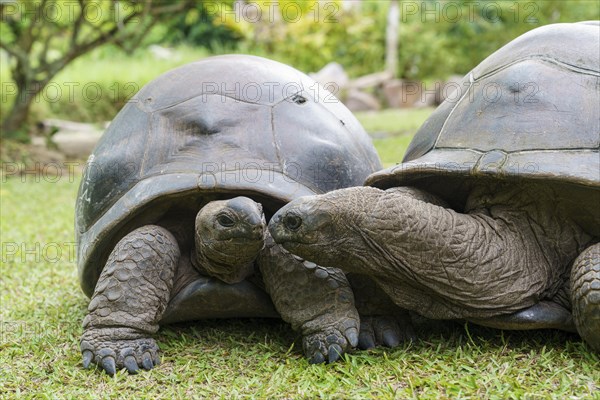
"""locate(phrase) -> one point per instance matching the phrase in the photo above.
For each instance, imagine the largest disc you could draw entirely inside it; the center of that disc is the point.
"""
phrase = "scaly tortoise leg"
(316, 301)
(129, 300)
(585, 295)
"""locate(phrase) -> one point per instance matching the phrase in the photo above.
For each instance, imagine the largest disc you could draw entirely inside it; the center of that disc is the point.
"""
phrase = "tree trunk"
(33, 36)
(17, 116)
(391, 38)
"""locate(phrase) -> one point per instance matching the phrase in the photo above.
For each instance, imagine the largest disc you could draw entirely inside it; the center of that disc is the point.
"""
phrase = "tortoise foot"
(329, 344)
(585, 292)
(382, 322)
(385, 330)
(113, 349)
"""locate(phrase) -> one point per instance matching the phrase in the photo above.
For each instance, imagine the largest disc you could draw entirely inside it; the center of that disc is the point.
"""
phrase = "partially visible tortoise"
(170, 216)
(494, 215)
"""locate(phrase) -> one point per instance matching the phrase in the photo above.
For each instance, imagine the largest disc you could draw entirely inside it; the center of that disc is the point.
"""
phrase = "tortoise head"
(329, 229)
(229, 235)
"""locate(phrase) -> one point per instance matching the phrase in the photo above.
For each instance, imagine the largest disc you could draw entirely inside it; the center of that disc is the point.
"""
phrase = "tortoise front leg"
(129, 300)
(585, 295)
(316, 301)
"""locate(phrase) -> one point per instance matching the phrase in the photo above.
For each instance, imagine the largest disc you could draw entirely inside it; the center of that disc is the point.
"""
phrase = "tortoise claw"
(147, 363)
(390, 338)
(131, 364)
(366, 340)
(88, 356)
(388, 331)
(113, 355)
(329, 345)
(108, 364)
(352, 336)
(156, 358)
(317, 358)
(335, 352)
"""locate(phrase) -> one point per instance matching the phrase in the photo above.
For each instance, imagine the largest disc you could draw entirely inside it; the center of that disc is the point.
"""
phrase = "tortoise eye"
(225, 220)
(292, 222)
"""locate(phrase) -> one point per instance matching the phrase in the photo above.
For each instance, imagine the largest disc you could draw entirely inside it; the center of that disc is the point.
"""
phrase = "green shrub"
(437, 38)
(320, 33)
(103, 81)
(96, 86)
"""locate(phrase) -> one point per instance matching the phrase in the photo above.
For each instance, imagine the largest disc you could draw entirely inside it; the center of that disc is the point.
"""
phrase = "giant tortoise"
(171, 211)
(494, 214)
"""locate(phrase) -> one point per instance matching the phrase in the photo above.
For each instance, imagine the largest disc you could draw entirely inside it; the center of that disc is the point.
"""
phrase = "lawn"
(392, 130)
(42, 308)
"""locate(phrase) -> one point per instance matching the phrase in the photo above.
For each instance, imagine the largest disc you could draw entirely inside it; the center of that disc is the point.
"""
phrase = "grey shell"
(530, 111)
(222, 126)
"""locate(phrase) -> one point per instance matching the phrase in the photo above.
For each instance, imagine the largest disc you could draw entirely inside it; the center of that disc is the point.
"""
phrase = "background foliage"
(437, 39)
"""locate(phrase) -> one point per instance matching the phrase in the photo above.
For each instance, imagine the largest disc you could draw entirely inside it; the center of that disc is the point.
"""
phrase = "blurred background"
(67, 67)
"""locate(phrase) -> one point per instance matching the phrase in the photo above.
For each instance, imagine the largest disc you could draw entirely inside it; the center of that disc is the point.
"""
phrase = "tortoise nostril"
(292, 222)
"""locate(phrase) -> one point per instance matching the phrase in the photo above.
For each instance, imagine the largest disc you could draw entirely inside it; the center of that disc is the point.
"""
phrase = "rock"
(43, 156)
(76, 145)
(332, 77)
(73, 139)
(357, 100)
(392, 91)
(50, 124)
(402, 94)
(370, 81)
(163, 53)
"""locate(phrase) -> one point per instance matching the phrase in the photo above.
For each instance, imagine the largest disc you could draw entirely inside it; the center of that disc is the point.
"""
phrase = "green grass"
(392, 130)
(393, 122)
(42, 308)
(391, 150)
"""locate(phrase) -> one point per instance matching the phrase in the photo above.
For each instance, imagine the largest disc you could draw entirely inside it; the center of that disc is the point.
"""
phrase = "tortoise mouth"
(235, 276)
(296, 243)
(246, 238)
